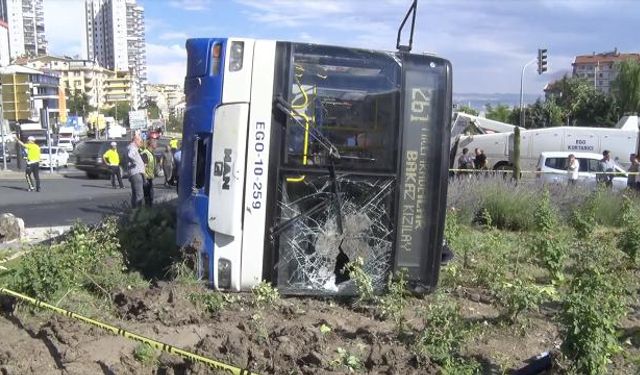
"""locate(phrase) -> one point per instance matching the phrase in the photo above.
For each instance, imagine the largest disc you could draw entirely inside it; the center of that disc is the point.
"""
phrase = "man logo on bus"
(223, 169)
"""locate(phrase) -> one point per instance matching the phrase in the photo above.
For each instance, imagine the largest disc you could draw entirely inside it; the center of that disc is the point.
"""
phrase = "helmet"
(113, 144)
(31, 138)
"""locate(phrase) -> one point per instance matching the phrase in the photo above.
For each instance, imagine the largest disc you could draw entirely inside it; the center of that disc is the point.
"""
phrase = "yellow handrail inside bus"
(303, 106)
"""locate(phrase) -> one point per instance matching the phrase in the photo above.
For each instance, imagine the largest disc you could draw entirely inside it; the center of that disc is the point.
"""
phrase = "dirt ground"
(282, 339)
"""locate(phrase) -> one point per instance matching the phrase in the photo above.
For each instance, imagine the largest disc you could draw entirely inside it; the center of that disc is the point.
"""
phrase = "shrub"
(592, 308)
(212, 302)
(548, 243)
(148, 241)
(362, 280)
(629, 240)
(76, 261)
(521, 296)
(392, 304)
(443, 334)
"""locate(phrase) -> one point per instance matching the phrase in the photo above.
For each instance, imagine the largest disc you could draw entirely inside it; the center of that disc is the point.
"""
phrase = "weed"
(264, 294)
(592, 308)
(183, 273)
(546, 244)
(259, 329)
(443, 333)
(392, 304)
(213, 302)
(325, 329)
(362, 280)
(629, 240)
(45, 272)
(347, 359)
(522, 296)
(145, 354)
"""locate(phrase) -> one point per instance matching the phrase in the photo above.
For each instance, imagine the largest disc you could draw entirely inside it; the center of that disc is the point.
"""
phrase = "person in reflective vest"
(173, 144)
(112, 159)
(149, 161)
(33, 162)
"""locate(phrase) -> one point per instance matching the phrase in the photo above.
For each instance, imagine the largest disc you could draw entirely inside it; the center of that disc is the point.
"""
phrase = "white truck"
(496, 139)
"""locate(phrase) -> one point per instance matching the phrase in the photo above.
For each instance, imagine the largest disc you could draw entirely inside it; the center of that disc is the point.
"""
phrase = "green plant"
(75, 262)
(547, 244)
(629, 240)
(393, 303)
(148, 238)
(451, 227)
(443, 333)
(521, 296)
(212, 302)
(325, 329)
(347, 359)
(259, 329)
(592, 308)
(362, 280)
(145, 354)
(265, 294)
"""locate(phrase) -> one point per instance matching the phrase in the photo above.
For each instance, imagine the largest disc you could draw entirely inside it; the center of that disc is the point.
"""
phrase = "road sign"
(138, 119)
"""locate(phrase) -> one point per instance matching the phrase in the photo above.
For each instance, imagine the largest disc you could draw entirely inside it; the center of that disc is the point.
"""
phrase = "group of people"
(477, 161)
(141, 165)
(606, 170)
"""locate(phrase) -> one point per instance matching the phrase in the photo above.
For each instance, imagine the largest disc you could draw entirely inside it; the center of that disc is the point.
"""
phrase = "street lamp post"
(4, 141)
(522, 92)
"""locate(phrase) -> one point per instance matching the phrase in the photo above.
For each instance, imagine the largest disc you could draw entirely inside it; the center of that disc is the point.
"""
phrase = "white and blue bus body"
(299, 158)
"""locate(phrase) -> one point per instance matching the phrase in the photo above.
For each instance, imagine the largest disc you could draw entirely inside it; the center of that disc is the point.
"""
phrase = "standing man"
(112, 159)
(633, 172)
(33, 162)
(149, 161)
(136, 171)
(572, 169)
(606, 165)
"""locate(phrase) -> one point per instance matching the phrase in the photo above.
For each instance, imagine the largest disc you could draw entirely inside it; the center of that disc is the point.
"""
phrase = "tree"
(583, 104)
(153, 112)
(120, 112)
(175, 123)
(467, 109)
(626, 87)
(78, 103)
(500, 112)
(540, 114)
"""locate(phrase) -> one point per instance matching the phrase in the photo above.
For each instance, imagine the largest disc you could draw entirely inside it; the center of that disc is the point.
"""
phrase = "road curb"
(44, 175)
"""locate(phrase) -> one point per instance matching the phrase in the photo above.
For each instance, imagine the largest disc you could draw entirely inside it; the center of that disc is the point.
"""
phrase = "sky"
(487, 41)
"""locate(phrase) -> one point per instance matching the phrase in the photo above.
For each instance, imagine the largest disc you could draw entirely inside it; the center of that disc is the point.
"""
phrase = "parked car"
(552, 168)
(89, 153)
(65, 143)
(59, 157)
(8, 154)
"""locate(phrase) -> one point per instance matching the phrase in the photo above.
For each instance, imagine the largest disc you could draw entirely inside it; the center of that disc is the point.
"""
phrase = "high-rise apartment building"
(601, 68)
(26, 28)
(4, 34)
(115, 38)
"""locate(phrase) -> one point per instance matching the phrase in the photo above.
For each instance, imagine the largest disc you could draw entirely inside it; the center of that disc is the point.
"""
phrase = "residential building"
(26, 28)
(601, 68)
(166, 97)
(25, 91)
(115, 38)
(81, 76)
(118, 88)
(5, 52)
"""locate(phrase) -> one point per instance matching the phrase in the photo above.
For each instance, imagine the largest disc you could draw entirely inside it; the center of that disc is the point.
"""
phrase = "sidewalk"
(33, 236)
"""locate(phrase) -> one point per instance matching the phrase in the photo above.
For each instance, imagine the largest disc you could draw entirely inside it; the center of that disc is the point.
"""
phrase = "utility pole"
(2, 134)
(522, 92)
(44, 120)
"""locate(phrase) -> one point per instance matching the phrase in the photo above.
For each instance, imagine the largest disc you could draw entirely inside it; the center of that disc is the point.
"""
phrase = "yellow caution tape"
(121, 332)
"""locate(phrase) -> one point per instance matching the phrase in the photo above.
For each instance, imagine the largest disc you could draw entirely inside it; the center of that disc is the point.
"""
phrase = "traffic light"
(542, 60)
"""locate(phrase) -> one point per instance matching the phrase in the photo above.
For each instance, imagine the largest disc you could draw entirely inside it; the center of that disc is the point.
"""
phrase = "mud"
(281, 339)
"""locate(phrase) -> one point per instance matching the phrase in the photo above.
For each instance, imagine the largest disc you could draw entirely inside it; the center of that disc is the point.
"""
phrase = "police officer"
(149, 161)
(173, 144)
(33, 162)
(112, 159)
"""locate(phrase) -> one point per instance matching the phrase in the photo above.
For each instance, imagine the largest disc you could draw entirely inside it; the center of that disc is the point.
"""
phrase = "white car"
(59, 157)
(66, 144)
(552, 168)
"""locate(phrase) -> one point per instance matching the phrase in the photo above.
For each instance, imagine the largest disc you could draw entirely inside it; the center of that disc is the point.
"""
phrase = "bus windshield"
(348, 97)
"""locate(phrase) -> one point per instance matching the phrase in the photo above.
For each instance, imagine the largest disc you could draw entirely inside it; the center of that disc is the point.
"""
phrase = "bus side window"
(200, 160)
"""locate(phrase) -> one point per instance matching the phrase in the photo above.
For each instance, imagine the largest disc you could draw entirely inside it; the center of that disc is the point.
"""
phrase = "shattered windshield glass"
(336, 207)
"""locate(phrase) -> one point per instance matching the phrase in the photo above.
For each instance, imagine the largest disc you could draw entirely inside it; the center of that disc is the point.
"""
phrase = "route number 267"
(419, 105)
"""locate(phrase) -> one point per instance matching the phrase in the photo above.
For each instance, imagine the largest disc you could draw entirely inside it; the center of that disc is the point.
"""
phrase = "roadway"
(66, 197)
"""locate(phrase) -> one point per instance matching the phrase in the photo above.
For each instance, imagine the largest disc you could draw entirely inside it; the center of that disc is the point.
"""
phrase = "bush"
(548, 244)
(629, 240)
(148, 240)
(592, 308)
(76, 261)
